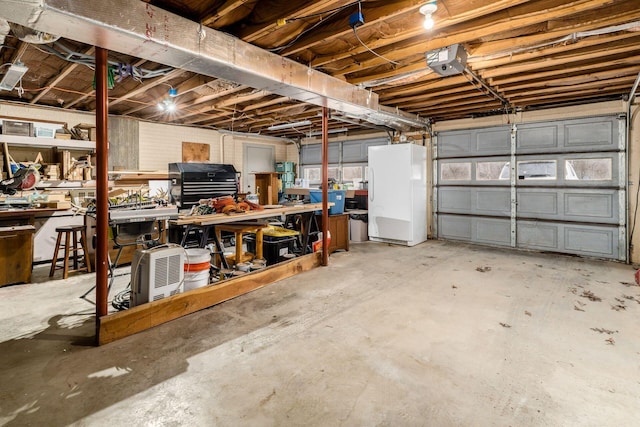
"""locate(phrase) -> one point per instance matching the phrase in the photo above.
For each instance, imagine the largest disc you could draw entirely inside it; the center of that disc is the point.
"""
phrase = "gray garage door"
(553, 186)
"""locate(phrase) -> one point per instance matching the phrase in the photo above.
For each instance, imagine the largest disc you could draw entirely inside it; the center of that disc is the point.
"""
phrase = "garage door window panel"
(591, 169)
(455, 171)
(493, 171)
(537, 170)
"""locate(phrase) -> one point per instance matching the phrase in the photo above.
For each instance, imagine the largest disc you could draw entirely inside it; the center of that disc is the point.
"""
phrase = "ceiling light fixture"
(169, 104)
(427, 10)
(289, 125)
(13, 76)
(319, 132)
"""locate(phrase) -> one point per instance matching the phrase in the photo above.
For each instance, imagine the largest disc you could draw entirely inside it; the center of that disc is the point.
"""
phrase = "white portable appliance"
(398, 194)
(156, 274)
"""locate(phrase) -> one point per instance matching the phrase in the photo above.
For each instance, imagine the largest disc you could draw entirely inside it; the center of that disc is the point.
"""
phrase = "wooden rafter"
(193, 83)
(66, 71)
(497, 23)
(408, 33)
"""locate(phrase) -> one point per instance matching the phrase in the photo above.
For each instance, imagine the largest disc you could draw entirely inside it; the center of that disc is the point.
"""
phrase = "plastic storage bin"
(274, 249)
(335, 196)
(285, 166)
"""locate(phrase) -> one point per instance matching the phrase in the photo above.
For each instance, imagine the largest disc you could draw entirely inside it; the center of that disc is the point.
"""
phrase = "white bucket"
(243, 266)
(196, 268)
(196, 280)
(257, 264)
(197, 256)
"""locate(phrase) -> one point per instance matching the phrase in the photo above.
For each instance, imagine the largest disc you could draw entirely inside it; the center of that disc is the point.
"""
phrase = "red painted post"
(102, 186)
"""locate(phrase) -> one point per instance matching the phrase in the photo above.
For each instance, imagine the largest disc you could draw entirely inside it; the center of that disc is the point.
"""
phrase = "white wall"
(34, 114)
(161, 144)
(233, 149)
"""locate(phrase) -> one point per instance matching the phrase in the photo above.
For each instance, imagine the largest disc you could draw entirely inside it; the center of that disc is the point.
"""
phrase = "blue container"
(335, 196)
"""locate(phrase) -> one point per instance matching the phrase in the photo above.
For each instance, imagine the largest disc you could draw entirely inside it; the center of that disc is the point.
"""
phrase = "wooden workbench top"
(220, 218)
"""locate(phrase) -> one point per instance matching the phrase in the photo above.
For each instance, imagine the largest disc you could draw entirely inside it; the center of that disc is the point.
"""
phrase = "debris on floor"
(505, 325)
(604, 331)
(483, 269)
(528, 313)
(610, 341)
(590, 296)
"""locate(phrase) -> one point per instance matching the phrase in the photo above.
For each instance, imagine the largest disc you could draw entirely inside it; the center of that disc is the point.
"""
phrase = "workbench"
(207, 223)
(17, 228)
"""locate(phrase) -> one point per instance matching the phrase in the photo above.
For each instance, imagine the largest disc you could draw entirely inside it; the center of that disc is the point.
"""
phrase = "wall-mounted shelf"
(64, 184)
(28, 141)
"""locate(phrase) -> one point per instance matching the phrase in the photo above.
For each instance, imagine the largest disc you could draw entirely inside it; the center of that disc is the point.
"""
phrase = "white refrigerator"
(398, 194)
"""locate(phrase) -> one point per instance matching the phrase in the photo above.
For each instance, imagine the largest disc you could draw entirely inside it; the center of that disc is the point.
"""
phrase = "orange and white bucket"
(196, 268)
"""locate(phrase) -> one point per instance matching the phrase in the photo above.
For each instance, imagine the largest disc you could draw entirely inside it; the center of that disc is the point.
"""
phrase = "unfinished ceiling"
(521, 55)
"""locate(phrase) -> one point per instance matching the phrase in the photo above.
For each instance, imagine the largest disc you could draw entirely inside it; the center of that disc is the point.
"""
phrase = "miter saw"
(24, 179)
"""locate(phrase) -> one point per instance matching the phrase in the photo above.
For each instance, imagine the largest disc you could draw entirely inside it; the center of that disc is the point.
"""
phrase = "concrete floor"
(442, 334)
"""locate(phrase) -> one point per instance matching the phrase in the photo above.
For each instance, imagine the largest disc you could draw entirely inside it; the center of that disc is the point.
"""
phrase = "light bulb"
(428, 10)
(171, 107)
(428, 22)
(160, 106)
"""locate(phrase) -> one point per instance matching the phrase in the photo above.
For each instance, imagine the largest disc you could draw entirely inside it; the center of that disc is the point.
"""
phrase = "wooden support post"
(102, 187)
(325, 186)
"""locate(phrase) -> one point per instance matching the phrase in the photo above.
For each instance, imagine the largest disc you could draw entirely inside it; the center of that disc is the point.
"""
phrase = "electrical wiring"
(355, 32)
(303, 33)
(325, 12)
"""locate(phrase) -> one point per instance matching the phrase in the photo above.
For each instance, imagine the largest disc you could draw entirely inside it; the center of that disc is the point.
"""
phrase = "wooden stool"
(239, 230)
(71, 246)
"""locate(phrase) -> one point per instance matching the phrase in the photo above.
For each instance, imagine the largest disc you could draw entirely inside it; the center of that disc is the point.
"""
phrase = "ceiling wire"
(355, 32)
(303, 33)
(325, 12)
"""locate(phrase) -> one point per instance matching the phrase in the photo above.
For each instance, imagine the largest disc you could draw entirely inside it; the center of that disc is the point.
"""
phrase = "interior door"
(257, 158)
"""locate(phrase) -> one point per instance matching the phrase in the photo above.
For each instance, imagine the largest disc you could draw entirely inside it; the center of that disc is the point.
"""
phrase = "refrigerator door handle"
(371, 185)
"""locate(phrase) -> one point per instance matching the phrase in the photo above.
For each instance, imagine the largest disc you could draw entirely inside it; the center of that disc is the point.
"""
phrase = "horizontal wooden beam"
(143, 317)
(563, 62)
(603, 78)
(579, 69)
(555, 50)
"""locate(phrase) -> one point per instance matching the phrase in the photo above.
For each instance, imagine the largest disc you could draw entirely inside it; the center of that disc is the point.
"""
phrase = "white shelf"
(58, 184)
(28, 141)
